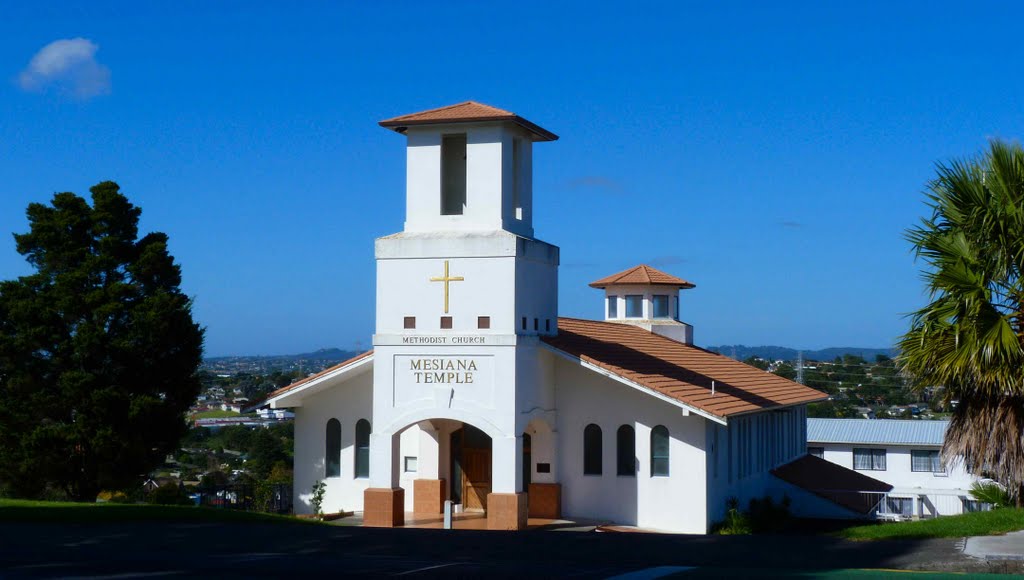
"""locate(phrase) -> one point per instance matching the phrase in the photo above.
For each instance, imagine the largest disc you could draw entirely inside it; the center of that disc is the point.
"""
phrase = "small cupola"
(646, 297)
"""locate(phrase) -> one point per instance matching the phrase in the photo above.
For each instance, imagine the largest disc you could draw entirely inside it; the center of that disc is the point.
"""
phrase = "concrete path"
(1007, 547)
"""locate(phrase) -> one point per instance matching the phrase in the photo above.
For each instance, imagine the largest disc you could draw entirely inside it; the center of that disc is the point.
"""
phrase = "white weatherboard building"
(476, 391)
(901, 453)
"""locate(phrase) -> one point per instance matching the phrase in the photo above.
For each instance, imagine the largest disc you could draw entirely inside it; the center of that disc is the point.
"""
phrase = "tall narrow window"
(332, 457)
(613, 307)
(625, 443)
(634, 306)
(592, 450)
(517, 181)
(453, 174)
(660, 304)
(659, 451)
(362, 449)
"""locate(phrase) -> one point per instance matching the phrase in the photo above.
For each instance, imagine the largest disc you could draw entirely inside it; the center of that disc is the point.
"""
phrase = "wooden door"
(476, 478)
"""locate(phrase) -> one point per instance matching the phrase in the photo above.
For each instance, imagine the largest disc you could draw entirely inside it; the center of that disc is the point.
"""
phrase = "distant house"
(901, 453)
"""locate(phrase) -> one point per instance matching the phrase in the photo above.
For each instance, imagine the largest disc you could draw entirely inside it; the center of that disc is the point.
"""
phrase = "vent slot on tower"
(453, 174)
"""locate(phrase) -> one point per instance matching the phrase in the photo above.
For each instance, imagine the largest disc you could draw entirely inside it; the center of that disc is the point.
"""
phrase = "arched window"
(332, 456)
(362, 449)
(592, 450)
(625, 439)
(659, 451)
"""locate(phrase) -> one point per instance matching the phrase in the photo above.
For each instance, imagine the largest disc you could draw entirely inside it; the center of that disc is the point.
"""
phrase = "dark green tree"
(98, 350)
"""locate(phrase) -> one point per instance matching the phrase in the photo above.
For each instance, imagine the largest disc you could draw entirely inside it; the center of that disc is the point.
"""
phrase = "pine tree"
(99, 353)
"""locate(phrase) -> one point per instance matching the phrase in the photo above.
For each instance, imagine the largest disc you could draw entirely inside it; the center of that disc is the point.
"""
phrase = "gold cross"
(446, 279)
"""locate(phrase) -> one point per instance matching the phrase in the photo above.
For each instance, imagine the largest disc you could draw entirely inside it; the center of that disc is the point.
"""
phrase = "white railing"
(902, 505)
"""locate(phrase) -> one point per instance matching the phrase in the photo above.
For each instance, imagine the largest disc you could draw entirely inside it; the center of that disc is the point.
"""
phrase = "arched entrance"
(470, 451)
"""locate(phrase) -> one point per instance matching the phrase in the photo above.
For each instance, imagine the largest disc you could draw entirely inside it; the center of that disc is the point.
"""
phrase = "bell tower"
(465, 292)
(469, 168)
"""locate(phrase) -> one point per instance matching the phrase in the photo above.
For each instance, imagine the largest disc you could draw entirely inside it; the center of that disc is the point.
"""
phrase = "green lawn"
(218, 414)
(67, 512)
(990, 523)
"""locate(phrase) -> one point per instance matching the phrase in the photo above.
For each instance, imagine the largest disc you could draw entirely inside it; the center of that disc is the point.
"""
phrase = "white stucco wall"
(348, 402)
(675, 503)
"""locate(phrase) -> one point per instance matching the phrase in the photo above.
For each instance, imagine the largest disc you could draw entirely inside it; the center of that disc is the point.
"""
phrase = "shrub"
(735, 523)
(319, 488)
(991, 492)
(169, 494)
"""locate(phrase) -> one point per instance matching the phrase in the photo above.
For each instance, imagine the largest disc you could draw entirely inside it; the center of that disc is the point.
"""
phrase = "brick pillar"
(507, 511)
(546, 500)
(428, 496)
(384, 507)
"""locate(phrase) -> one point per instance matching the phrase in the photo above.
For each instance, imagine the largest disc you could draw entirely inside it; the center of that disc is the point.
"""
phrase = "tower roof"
(467, 112)
(642, 275)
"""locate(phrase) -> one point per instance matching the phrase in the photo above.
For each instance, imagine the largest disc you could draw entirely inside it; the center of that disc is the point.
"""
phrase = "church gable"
(292, 395)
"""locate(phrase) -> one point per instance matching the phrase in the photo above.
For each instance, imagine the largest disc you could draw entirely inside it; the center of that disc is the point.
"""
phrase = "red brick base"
(428, 496)
(507, 511)
(546, 500)
(384, 507)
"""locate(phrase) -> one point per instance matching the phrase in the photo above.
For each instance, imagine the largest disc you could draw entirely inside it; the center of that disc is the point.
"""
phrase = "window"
(625, 448)
(869, 459)
(925, 460)
(362, 448)
(483, 322)
(332, 458)
(634, 306)
(409, 464)
(536, 325)
(660, 304)
(902, 506)
(659, 451)
(453, 174)
(547, 325)
(973, 505)
(446, 322)
(613, 307)
(818, 452)
(524, 323)
(592, 450)
(409, 322)
(517, 182)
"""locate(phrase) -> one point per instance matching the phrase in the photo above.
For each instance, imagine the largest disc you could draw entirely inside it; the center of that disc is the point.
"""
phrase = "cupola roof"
(467, 112)
(642, 275)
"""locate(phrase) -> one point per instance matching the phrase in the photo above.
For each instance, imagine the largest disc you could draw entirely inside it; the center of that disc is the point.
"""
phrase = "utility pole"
(800, 367)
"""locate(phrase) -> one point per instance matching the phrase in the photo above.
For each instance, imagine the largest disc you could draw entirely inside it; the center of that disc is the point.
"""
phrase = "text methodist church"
(477, 392)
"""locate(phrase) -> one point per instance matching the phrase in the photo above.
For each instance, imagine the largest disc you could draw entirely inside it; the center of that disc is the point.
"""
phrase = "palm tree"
(969, 337)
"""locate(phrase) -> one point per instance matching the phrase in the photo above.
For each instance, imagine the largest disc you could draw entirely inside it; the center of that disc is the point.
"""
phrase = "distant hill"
(307, 361)
(785, 353)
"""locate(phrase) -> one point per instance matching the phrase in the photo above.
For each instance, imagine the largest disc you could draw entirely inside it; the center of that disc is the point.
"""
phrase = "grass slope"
(990, 523)
(67, 512)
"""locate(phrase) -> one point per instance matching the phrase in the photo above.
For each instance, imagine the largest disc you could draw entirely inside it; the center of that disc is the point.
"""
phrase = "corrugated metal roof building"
(876, 431)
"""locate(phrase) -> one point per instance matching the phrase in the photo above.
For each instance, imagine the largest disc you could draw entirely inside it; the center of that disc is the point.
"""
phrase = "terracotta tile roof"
(305, 380)
(833, 482)
(642, 274)
(677, 370)
(467, 112)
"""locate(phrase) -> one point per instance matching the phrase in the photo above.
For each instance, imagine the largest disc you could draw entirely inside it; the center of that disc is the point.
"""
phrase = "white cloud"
(67, 65)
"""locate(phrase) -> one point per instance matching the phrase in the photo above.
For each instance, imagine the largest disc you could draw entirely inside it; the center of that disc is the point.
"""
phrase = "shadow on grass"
(67, 512)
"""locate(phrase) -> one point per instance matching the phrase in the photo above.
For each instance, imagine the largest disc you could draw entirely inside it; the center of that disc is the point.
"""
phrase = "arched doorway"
(470, 467)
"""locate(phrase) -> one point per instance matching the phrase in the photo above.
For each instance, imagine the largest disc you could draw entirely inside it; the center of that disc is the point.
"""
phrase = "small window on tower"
(536, 325)
(483, 322)
(613, 307)
(660, 303)
(634, 306)
(446, 322)
(547, 325)
(524, 323)
(453, 174)
(517, 181)
(409, 322)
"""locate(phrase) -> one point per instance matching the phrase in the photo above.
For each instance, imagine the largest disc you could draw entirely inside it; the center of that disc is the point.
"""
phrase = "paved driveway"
(236, 550)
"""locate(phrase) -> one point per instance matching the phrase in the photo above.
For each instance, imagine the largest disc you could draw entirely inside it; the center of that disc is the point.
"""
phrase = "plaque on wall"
(543, 468)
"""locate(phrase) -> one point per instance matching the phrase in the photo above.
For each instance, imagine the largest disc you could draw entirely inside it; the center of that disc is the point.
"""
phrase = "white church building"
(476, 391)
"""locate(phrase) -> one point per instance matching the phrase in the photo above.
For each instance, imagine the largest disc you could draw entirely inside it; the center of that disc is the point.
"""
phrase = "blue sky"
(772, 154)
